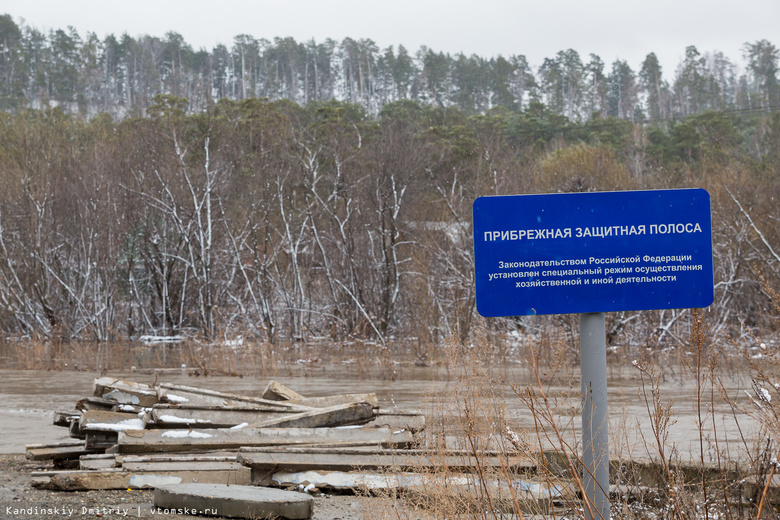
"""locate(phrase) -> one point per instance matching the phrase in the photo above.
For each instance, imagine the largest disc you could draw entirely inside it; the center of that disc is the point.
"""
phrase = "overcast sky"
(613, 29)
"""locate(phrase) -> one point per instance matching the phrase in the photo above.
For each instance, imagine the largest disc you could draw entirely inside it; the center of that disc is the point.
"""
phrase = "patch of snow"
(29, 411)
(127, 424)
(121, 397)
(181, 434)
(181, 420)
(176, 398)
(154, 340)
(239, 426)
(234, 342)
(765, 395)
(152, 481)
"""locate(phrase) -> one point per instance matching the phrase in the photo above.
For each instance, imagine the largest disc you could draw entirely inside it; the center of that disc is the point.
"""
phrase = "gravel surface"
(20, 501)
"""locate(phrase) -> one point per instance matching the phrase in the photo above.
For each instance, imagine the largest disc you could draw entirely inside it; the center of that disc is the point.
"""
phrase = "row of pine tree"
(121, 75)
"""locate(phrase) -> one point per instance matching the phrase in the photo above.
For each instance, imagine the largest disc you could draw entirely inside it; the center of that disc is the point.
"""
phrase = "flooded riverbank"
(29, 399)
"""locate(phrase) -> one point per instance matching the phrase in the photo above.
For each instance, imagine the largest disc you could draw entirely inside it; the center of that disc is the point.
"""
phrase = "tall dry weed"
(518, 433)
(511, 464)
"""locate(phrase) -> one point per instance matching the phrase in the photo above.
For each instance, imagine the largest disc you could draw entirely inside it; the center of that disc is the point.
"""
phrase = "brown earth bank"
(20, 501)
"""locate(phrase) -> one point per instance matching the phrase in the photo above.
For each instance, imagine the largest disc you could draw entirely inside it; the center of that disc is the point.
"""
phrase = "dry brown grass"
(496, 421)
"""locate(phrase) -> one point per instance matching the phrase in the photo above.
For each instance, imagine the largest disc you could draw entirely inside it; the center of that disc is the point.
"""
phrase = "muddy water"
(28, 399)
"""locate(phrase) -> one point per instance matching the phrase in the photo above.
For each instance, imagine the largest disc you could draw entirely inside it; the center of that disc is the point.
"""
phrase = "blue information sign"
(593, 252)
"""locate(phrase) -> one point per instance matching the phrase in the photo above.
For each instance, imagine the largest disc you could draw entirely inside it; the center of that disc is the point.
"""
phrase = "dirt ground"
(20, 501)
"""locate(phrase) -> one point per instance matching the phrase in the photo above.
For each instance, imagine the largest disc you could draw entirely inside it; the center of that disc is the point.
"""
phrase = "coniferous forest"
(294, 191)
(120, 75)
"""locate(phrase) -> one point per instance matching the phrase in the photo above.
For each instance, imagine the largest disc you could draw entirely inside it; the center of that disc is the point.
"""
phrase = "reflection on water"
(29, 398)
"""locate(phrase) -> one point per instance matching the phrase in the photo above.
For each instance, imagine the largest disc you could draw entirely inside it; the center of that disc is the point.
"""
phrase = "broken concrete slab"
(103, 421)
(145, 441)
(65, 418)
(166, 466)
(278, 392)
(97, 461)
(125, 392)
(173, 416)
(204, 456)
(100, 441)
(364, 481)
(234, 501)
(107, 405)
(85, 480)
(302, 459)
(754, 486)
(63, 450)
(96, 403)
(340, 415)
(333, 400)
(179, 394)
(398, 420)
(75, 431)
(534, 497)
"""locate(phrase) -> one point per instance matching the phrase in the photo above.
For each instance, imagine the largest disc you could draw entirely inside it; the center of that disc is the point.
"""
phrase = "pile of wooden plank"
(132, 435)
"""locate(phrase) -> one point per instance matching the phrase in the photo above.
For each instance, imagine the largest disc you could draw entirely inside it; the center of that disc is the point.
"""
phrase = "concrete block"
(233, 501)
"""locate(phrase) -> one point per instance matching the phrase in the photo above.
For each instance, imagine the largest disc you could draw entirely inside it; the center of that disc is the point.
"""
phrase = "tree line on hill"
(121, 75)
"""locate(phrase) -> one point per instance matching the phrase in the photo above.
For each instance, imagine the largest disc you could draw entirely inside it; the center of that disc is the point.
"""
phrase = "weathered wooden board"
(102, 421)
(125, 392)
(173, 416)
(63, 450)
(340, 415)
(118, 479)
(178, 394)
(293, 460)
(145, 441)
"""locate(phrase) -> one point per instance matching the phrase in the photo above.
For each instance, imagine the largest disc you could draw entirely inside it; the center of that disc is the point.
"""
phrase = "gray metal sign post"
(587, 254)
(595, 434)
